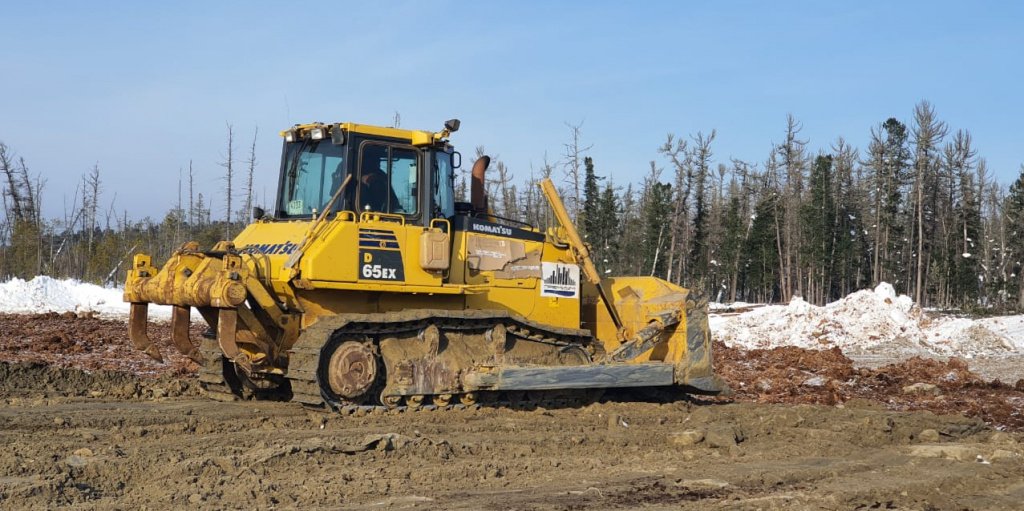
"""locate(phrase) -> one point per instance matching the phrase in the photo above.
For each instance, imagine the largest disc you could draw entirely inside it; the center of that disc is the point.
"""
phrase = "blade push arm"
(580, 248)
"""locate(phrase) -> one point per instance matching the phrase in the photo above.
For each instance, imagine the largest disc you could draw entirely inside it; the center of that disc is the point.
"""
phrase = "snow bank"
(45, 294)
(870, 322)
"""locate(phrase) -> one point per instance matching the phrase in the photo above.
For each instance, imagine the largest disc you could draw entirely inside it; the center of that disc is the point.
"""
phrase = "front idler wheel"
(351, 373)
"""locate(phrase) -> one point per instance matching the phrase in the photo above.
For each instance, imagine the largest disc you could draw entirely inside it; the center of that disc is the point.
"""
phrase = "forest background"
(918, 208)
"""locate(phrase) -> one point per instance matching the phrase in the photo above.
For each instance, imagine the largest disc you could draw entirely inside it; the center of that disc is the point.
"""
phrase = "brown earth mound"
(795, 375)
(89, 343)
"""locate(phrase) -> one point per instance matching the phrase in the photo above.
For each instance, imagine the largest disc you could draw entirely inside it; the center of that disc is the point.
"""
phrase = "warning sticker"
(560, 280)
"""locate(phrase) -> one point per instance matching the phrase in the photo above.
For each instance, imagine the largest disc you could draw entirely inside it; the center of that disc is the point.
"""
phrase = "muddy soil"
(89, 430)
(795, 375)
(87, 342)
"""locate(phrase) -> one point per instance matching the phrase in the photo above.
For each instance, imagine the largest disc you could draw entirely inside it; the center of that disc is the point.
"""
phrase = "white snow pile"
(46, 294)
(870, 322)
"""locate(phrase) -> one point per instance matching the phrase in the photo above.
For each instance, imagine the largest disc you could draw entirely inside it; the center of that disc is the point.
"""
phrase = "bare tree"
(572, 163)
(792, 158)
(191, 201)
(90, 203)
(13, 193)
(228, 165)
(251, 162)
(677, 151)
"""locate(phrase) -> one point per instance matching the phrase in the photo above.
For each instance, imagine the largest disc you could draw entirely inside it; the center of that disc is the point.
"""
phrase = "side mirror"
(452, 125)
(258, 213)
(456, 160)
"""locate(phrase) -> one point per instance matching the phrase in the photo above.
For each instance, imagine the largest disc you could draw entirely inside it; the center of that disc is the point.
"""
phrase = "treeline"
(918, 208)
(93, 241)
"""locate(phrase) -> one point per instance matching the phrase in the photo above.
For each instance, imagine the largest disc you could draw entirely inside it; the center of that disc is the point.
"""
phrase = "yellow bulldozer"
(368, 284)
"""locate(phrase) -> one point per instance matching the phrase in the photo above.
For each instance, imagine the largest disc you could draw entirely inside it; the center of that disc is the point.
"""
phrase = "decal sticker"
(295, 207)
(508, 259)
(285, 248)
(477, 226)
(380, 257)
(381, 265)
(560, 280)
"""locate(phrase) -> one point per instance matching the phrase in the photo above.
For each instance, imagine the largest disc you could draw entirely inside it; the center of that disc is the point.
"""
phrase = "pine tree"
(760, 266)
(730, 251)
(889, 162)
(1014, 211)
(959, 160)
(700, 248)
(607, 234)
(818, 219)
(655, 211)
(591, 199)
(851, 256)
(629, 260)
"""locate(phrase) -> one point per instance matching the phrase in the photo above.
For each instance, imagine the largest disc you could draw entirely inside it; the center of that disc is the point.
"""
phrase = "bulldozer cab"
(389, 171)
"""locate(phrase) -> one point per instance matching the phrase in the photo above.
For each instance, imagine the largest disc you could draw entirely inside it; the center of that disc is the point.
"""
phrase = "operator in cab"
(375, 188)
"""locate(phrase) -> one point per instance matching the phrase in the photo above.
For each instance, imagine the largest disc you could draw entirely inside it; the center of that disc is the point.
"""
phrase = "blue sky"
(143, 87)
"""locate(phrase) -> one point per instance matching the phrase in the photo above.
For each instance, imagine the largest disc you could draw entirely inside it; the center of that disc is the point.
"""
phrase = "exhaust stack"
(477, 191)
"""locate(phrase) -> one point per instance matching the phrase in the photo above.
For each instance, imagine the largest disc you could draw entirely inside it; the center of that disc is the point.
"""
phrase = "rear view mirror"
(258, 213)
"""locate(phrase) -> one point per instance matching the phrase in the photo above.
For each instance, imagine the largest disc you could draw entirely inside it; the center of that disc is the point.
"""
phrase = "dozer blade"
(137, 331)
(179, 333)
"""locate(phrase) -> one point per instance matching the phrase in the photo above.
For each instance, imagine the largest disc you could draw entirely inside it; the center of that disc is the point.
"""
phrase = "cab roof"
(415, 137)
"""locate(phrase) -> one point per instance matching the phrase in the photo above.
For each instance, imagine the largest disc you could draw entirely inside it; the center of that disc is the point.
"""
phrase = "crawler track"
(472, 328)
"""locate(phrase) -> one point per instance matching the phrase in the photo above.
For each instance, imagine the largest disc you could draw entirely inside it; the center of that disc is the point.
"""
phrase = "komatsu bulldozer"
(369, 284)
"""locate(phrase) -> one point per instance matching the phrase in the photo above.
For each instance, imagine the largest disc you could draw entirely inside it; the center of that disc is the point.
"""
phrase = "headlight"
(289, 136)
(317, 133)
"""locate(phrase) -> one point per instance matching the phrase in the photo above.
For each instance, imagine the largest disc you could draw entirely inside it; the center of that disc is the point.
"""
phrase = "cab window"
(313, 170)
(444, 180)
(388, 180)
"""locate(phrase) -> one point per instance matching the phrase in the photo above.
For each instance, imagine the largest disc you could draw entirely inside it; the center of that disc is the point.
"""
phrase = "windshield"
(443, 184)
(313, 171)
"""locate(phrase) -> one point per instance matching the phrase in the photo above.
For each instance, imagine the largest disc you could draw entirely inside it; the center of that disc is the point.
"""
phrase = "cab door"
(388, 180)
(393, 203)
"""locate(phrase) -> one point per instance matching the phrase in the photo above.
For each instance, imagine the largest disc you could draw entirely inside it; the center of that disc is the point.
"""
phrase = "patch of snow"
(869, 322)
(46, 294)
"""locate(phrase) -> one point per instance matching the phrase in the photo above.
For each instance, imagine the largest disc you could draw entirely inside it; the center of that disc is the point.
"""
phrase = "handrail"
(376, 216)
(441, 221)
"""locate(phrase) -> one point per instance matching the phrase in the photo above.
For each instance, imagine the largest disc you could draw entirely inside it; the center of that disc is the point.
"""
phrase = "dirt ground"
(88, 423)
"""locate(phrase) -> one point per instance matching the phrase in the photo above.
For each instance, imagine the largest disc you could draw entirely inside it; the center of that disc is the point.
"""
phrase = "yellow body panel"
(331, 281)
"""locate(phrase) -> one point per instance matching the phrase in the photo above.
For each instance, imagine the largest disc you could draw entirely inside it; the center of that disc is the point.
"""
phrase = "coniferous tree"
(888, 160)
(700, 248)
(591, 198)
(607, 234)
(819, 222)
(965, 228)
(734, 235)
(760, 266)
(655, 206)
(1015, 240)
